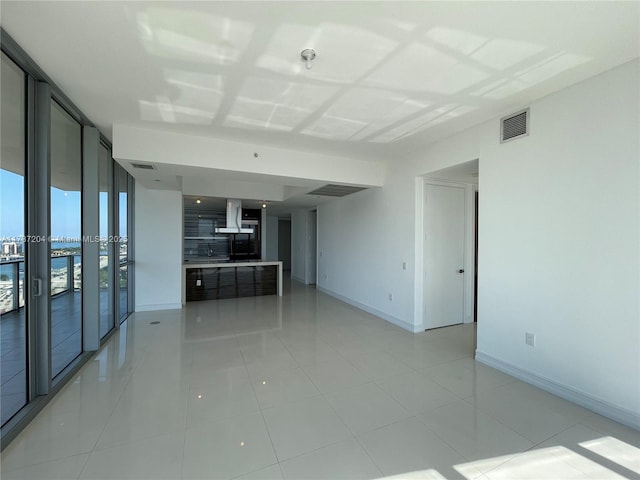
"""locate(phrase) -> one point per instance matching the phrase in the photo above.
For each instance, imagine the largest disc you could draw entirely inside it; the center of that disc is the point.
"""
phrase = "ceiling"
(389, 77)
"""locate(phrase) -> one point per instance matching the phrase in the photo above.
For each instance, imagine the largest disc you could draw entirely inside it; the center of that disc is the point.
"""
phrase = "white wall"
(158, 237)
(559, 235)
(559, 240)
(271, 238)
(311, 260)
(363, 240)
(299, 244)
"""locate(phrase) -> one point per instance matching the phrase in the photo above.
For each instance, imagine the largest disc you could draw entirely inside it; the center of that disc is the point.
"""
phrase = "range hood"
(234, 218)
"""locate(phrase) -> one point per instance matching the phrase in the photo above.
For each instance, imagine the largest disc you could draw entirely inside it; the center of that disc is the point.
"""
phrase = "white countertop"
(248, 263)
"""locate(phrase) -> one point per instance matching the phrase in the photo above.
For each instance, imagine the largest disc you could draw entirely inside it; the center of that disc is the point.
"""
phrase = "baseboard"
(158, 306)
(585, 400)
(389, 318)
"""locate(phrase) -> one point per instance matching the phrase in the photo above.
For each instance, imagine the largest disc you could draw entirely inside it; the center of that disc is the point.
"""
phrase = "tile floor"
(66, 344)
(304, 387)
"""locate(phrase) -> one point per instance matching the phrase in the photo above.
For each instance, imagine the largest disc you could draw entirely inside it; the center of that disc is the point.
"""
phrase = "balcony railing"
(65, 277)
(11, 285)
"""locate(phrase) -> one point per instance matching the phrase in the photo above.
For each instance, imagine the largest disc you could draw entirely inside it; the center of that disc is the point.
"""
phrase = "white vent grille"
(514, 126)
(332, 190)
(143, 166)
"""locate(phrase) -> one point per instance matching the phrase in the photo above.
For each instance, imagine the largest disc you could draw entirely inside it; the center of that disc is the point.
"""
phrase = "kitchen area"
(223, 250)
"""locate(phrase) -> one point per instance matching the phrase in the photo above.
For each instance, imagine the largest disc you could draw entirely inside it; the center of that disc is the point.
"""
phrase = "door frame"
(468, 254)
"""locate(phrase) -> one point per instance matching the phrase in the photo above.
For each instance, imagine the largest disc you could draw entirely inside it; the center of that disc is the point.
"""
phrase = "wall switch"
(404, 265)
(198, 283)
(391, 297)
(530, 339)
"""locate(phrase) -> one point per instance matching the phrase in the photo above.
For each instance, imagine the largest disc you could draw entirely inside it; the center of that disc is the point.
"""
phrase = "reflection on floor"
(305, 386)
(66, 345)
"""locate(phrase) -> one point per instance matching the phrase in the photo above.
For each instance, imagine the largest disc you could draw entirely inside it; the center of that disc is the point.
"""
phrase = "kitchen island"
(213, 280)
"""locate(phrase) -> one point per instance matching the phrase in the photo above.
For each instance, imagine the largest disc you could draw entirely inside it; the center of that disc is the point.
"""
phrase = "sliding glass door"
(66, 239)
(13, 312)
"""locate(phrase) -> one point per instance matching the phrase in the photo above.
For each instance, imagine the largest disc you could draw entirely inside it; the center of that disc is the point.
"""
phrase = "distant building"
(10, 248)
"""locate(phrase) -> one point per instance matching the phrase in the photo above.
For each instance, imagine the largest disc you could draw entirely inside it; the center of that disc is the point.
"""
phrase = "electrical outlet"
(391, 297)
(198, 283)
(530, 339)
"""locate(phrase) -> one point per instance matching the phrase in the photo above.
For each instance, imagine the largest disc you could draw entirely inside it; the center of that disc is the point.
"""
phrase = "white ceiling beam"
(135, 144)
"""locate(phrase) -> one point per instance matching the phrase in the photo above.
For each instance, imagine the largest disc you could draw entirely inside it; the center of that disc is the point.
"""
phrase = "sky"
(65, 220)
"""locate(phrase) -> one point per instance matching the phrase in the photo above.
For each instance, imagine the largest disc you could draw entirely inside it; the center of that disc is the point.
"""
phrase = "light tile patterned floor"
(306, 387)
(66, 345)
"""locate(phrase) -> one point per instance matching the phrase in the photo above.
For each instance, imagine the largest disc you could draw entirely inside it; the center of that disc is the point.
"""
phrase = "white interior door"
(444, 255)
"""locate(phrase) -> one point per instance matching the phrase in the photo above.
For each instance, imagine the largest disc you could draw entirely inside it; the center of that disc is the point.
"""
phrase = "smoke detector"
(308, 55)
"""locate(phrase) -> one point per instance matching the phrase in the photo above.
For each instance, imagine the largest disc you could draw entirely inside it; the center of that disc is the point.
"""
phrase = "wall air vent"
(143, 166)
(514, 126)
(331, 190)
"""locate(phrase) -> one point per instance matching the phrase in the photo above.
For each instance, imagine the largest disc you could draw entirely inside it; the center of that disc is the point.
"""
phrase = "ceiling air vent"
(514, 126)
(331, 190)
(143, 166)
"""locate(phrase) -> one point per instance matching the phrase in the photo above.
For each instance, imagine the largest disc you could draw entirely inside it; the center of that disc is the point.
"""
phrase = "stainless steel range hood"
(234, 218)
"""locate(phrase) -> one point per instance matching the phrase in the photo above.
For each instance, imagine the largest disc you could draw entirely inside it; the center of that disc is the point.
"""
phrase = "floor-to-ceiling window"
(13, 315)
(105, 181)
(56, 169)
(66, 238)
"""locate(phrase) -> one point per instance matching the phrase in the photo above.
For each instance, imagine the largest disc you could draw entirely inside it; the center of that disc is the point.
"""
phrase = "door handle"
(37, 287)
(461, 270)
